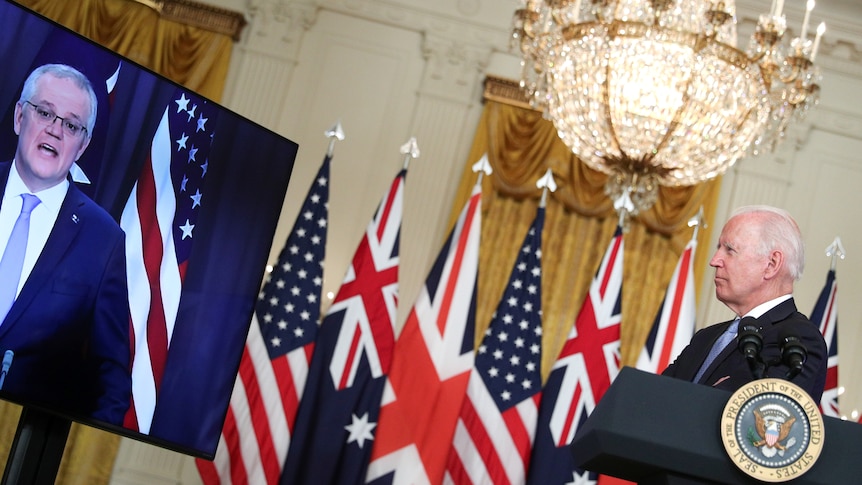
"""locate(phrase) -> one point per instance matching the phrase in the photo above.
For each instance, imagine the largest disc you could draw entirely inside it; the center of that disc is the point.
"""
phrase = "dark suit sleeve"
(110, 339)
(688, 362)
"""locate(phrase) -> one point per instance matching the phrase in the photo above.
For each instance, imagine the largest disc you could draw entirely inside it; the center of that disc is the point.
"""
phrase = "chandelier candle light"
(656, 92)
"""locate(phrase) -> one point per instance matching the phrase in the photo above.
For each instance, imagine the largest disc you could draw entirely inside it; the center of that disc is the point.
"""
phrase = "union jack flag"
(674, 324)
(159, 220)
(274, 366)
(497, 422)
(432, 362)
(353, 354)
(587, 364)
(825, 316)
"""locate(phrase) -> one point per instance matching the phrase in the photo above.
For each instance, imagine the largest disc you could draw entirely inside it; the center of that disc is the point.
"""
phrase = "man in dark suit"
(68, 324)
(759, 257)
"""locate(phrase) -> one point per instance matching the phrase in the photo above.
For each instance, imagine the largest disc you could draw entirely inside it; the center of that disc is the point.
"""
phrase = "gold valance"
(200, 15)
(164, 35)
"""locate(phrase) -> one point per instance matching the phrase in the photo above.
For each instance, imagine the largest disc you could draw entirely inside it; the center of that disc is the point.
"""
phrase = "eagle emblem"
(767, 432)
(772, 425)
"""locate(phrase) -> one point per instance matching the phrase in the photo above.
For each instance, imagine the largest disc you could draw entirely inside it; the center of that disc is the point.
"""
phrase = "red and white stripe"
(674, 326)
(261, 416)
(154, 277)
(491, 447)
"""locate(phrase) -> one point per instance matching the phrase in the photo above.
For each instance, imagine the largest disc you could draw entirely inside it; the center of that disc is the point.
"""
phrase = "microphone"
(750, 344)
(7, 362)
(793, 354)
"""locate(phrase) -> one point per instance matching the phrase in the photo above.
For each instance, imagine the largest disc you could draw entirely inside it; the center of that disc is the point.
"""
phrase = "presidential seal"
(772, 430)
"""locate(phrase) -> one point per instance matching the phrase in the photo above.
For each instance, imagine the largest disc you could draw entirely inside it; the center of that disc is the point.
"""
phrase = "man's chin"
(43, 180)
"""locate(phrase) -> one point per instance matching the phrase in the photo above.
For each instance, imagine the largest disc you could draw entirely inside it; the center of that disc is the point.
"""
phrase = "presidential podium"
(655, 430)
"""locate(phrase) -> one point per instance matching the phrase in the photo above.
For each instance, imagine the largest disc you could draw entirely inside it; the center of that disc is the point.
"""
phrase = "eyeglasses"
(47, 117)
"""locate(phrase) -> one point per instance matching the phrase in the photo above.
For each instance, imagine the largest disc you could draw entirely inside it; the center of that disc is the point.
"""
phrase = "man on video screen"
(64, 318)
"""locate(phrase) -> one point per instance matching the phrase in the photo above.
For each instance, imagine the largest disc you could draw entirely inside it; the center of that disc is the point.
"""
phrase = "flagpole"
(835, 251)
(410, 150)
(824, 316)
(336, 133)
(696, 221)
(624, 206)
(546, 183)
(483, 167)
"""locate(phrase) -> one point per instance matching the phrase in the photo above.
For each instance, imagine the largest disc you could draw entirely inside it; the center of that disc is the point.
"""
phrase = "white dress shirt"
(41, 219)
(764, 307)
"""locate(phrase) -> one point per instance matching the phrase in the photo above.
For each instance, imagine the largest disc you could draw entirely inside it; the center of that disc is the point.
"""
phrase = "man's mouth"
(48, 148)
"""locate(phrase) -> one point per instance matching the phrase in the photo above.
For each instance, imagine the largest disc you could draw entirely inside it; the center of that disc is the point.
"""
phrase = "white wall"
(389, 70)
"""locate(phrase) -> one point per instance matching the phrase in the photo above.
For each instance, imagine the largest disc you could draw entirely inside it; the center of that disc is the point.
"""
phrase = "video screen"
(140, 260)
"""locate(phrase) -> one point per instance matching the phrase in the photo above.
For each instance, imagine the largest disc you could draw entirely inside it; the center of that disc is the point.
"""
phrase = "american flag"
(274, 366)
(587, 364)
(431, 363)
(159, 220)
(497, 422)
(674, 324)
(825, 316)
(335, 422)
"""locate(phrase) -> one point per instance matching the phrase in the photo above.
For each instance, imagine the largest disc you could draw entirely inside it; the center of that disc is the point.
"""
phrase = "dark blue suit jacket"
(69, 326)
(730, 369)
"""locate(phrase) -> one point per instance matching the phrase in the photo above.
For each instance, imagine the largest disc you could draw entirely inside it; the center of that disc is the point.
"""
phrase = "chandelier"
(656, 92)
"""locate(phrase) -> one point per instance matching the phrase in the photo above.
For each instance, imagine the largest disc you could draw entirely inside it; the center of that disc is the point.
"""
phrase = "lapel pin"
(75, 218)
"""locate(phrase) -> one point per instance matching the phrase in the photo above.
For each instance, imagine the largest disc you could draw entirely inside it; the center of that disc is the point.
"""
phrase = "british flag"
(432, 362)
(825, 315)
(587, 364)
(674, 324)
(274, 367)
(497, 422)
(353, 353)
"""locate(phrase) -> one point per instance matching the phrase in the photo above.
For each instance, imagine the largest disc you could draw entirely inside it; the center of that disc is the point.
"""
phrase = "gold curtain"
(193, 56)
(580, 221)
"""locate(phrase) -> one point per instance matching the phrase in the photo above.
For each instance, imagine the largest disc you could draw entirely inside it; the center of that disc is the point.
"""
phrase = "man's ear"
(16, 120)
(774, 263)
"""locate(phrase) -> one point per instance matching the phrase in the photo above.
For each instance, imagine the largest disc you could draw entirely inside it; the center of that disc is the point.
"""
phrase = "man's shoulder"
(782, 311)
(791, 321)
(83, 207)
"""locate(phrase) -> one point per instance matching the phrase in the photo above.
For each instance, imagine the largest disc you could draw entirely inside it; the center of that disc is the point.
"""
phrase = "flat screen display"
(139, 332)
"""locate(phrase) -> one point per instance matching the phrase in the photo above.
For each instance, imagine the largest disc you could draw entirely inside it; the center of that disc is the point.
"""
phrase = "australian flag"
(335, 423)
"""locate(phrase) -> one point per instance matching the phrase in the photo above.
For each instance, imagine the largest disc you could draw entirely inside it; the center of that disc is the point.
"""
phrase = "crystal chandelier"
(655, 92)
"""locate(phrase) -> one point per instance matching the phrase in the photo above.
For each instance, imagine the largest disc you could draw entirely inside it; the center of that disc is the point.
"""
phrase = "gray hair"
(778, 230)
(63, 71)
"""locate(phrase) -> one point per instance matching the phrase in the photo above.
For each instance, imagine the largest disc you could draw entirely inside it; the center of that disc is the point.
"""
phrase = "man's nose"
(715, 261)
(55, 128)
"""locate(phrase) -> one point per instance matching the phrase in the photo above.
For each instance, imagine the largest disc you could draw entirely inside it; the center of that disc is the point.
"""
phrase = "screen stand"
(34, 458)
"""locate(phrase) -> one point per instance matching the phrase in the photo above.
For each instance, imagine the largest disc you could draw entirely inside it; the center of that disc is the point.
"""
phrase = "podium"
(656, 430)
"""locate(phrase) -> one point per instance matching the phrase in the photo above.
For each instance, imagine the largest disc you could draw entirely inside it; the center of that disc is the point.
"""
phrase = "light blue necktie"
(717, 347)
(13, 257)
